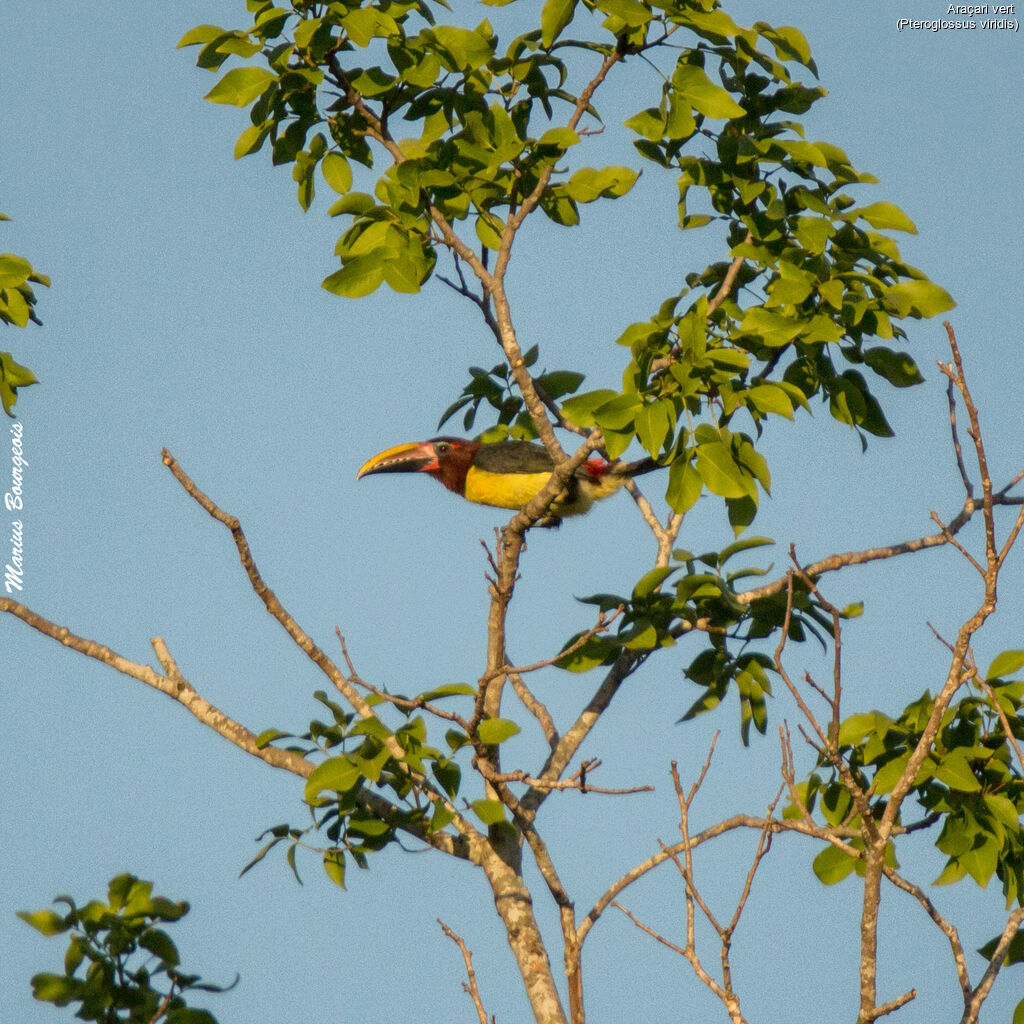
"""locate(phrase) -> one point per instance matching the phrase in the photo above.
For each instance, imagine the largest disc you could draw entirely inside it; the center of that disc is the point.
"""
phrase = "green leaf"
(52, 988)
(1014, 954)
(856, 727)
(14, 270)
(160, 944)
(898, 368)
(952, 872)
(770, 398)
(774, 328)
(642, 636)
(684, 485)
(448, 690)
(240, 86)
(449, 775)
(554, 16)
(334, 866)
(712, 100)
(337, 172)
(649, 123)
(886, 216)
(562, 137)
(467, 49)
(560, 382)
(354, 203)
(48, 922)
(364, 24)
(496, 730)
(653, 423)
(268, 736)
(441, 817)
(188, 1015)
(590, 183)
(1005, 664)
(580, 408)
(832, 865)
(651, 580)
(720, 472)
(596, 651)
(633, 13)
(1018, 1014)
(305, 30)
(917, 299)
(981, 860)
(955, 771)
(200, 34)
(337, 773)
(251, 140)
(490, 812)
(889, 774)
(360, 276)
(1003, 809)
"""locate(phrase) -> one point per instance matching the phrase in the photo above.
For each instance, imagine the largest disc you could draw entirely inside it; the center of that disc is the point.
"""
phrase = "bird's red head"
(445, 458)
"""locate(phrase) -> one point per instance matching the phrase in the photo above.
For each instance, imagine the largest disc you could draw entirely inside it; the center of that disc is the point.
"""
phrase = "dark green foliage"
(969, 784)
(119, 965)
(456, 130)
(355, 758)
(17, 307)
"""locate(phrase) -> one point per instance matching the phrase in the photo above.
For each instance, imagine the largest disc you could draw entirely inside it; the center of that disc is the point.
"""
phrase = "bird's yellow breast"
(515, 490)
(503, 490)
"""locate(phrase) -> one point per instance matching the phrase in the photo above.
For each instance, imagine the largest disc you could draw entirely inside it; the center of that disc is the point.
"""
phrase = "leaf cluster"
(120, 965)
(968, 781)
(17, 307)
(420, 785)
(496, 388)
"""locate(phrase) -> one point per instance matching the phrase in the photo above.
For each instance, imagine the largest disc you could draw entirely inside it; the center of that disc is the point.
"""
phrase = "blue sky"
(186, 311)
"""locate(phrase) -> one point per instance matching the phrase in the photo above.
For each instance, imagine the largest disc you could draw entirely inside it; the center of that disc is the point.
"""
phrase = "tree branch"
(471, 987)
(173, 685)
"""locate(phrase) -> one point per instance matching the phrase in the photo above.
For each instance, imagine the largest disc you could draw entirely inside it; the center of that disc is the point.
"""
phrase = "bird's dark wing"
(513, 457)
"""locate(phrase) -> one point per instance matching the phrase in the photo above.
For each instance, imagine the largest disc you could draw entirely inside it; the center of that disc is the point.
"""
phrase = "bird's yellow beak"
(412, 457)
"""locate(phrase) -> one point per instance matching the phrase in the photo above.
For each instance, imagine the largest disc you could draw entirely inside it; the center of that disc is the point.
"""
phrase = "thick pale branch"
(496, 284)
(269, 598)
(174, 685)
(306, 643)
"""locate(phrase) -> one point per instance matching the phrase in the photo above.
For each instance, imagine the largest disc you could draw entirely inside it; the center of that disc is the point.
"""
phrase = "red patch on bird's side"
(596, 468)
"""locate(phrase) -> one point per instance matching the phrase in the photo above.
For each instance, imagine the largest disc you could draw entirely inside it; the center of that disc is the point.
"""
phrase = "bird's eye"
(443, 448)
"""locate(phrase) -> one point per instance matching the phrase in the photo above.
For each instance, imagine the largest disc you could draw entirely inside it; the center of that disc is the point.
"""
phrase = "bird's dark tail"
(631, 469)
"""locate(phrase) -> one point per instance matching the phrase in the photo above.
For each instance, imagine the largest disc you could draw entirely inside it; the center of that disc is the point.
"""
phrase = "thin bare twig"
(576, 781)
(471, 987)
(603, 622)
(1002, 718)
(894, 1004)
(980, 993)
(536, 707)
(957, 450)
(390, 698)
(952, 540)
(944, 926)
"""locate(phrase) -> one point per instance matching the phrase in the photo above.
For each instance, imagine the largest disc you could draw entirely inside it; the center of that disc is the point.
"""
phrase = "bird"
(505, 474)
